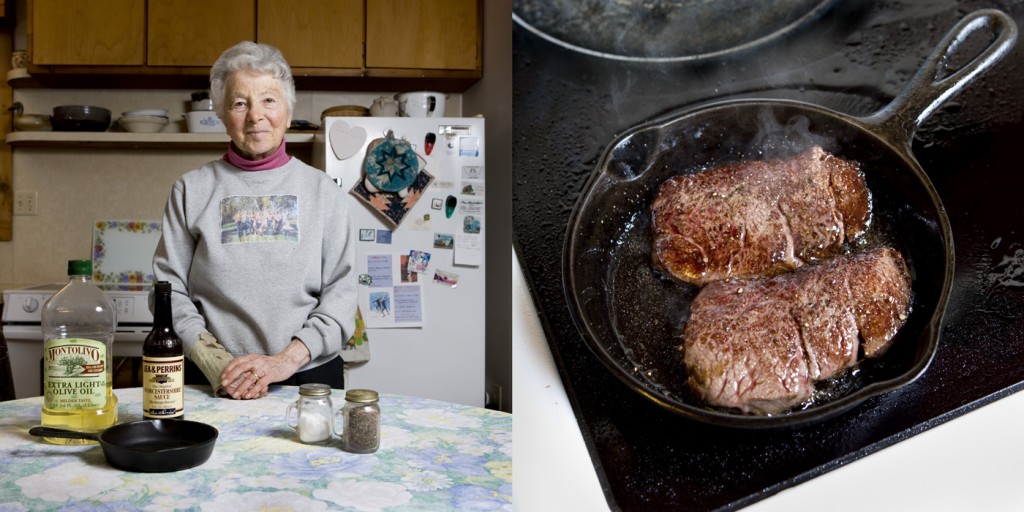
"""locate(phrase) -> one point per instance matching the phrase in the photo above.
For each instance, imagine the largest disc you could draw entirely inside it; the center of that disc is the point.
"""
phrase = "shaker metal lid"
(361, 395)
(314, 389)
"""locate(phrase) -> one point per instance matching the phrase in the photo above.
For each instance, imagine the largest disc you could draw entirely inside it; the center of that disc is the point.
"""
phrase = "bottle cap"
(79, 267)
(163, 287)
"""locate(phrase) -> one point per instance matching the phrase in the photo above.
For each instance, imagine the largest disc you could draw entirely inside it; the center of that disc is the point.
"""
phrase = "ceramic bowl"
(146, 112)
(80, 118)
(32, 123)
(143, 124)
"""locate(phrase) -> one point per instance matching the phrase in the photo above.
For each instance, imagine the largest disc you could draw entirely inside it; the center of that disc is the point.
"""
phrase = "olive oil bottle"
(163, 362)
(78, 325)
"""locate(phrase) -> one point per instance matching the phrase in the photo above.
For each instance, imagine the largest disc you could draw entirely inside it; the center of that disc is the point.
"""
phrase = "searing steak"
(758, 218)
(760, 344)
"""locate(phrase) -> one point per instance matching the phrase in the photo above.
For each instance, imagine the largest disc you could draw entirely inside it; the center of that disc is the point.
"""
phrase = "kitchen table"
(433, 456)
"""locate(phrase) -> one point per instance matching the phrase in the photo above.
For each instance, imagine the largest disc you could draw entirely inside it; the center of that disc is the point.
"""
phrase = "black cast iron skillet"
(148, 446)
(632, 317)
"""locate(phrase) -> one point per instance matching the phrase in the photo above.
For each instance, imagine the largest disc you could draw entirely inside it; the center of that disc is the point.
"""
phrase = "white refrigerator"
(415, 189)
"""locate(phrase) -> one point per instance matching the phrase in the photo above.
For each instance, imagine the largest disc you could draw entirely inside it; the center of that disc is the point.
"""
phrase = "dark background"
(852, 58)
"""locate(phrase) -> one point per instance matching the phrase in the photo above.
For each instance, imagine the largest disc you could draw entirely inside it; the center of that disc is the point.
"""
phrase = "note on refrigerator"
(469, 250)
(392, 299)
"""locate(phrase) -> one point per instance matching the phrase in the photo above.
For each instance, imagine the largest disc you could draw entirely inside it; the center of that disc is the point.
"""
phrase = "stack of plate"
(144, 121)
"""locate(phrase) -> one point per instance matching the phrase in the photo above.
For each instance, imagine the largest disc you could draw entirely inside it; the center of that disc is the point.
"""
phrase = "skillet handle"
(925, 92)
(66, 434)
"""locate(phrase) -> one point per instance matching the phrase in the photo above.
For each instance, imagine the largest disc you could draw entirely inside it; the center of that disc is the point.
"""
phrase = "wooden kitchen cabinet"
(313, 33)
(195, 32)
(86, 32)
(358, 45)
(424, 34)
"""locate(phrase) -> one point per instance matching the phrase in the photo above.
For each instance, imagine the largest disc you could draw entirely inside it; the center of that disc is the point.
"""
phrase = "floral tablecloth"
(433, 456)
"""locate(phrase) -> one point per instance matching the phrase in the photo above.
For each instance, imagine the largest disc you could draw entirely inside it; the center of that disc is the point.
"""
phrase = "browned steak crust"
(760, 344)
(758, 218)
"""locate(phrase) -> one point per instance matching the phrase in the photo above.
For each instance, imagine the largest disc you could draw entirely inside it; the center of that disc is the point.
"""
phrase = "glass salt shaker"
(312, 415)
(360, 421)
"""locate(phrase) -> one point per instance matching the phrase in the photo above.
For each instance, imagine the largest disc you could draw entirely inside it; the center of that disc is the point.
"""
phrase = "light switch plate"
(25, 203)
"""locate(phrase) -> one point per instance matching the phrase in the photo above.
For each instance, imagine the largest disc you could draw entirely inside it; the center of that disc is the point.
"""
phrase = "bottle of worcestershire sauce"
(163, 362)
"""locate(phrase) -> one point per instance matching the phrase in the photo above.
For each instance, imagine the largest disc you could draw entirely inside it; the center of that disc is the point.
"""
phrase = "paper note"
(421, 223)
(468, 249)
(472, 172)
(469, 146)
(378, 266)
(471, 206)
(408, 305)
(394, 298)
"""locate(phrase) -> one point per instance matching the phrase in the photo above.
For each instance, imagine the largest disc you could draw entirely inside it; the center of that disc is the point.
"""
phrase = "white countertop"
(551, 469)
(974, 462)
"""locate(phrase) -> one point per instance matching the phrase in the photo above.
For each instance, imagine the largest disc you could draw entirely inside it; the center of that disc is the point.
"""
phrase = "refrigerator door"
(419, 250)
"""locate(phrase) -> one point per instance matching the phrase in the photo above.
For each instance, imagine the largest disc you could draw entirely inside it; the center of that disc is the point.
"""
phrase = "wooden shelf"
(125, 140)
(308, 80)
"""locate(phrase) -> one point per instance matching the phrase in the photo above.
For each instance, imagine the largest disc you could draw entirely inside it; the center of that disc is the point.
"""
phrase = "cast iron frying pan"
(632, 317)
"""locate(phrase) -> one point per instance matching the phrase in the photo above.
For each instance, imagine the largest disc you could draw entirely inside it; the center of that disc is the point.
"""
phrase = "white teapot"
(384, 107)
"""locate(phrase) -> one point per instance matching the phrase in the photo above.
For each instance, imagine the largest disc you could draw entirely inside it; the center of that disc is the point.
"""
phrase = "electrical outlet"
(26, 203)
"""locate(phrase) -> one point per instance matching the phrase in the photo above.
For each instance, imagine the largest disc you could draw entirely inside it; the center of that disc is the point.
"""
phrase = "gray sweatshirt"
(258, 257)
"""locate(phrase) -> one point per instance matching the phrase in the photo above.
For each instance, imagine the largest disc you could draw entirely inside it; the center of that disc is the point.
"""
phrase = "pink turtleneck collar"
(275, 160)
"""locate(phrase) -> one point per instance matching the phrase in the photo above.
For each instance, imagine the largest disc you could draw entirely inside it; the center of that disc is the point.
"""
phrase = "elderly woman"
(257, 245)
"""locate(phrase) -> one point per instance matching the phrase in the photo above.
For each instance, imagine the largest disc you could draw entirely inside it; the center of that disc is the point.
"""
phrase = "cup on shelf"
(201, 101)
(18, 59)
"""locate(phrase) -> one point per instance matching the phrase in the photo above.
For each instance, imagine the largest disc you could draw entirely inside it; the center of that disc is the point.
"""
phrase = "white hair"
(258, 57)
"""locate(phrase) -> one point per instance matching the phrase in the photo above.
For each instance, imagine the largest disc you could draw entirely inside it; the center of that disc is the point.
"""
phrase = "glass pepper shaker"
(360, 421)
(312, 415)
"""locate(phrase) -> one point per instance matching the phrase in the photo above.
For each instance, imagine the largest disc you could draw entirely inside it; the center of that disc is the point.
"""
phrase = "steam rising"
(777, 139)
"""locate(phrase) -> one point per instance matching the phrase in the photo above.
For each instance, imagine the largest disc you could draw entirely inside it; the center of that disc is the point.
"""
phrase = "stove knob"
(30, 305)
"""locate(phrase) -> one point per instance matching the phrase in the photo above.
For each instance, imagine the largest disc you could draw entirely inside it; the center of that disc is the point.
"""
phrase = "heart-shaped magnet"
(346, 140)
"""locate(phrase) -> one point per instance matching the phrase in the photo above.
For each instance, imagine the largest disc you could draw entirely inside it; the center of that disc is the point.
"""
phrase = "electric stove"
(852, 57)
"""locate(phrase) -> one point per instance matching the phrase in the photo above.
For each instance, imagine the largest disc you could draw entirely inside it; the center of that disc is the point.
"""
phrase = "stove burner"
(662, 30)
